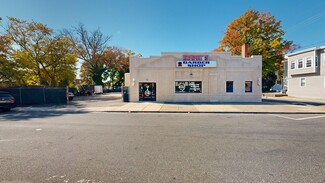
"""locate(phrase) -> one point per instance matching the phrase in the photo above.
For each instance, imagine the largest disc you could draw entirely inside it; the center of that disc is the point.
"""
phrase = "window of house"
(248, 86)
(302, 81)
(188, 87)
(308, 62)
(229, 86)
(293, 64)
(316, 61)
(300, 63)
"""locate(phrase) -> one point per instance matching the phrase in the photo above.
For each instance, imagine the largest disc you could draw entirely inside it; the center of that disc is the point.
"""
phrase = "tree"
(42, 57)
(117, 64)
(6, 74)
(268, 81)
(264, 36)
(90, 47)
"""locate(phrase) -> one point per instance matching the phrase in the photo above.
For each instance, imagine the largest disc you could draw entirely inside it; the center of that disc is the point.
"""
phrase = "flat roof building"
(195, 77)
(304, 73)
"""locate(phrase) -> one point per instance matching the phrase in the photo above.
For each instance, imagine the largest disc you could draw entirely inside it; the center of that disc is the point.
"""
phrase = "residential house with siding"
(304, 74)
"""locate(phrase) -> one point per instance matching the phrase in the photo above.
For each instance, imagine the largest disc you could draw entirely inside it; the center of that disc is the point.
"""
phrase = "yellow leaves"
(44, 57)
(5, 46)
(263, 34)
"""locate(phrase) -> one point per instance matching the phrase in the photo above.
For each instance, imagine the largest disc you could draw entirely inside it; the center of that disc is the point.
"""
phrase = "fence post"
(67, 94)
(21, 98)
(44, 95)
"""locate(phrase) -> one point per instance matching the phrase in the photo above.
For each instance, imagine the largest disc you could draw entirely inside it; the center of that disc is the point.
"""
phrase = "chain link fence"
(38, 95)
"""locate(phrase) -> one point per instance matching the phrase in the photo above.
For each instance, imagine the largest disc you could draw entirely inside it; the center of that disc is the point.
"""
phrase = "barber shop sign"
(195, 61)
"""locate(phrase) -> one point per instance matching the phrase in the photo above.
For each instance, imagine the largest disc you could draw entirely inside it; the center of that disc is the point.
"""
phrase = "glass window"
(308, 62)
(300, 63)
(293, 64)
(302, 81)
(248, 86)
(188, 87)
(229, 86)
(316, 61)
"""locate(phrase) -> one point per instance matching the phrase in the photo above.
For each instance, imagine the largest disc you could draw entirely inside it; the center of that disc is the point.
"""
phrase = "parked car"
(7, 101)
(70, 95)
(276, 88)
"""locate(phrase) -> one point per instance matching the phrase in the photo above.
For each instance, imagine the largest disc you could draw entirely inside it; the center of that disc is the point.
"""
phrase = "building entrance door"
(147, 91)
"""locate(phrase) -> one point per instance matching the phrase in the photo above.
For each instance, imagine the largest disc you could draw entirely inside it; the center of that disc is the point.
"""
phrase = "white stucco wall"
(163, 71)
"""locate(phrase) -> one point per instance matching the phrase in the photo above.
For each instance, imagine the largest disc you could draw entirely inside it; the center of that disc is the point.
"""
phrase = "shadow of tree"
(27, 115)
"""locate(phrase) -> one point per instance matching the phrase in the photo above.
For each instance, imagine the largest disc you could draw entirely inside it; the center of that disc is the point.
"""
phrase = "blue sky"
(153, 26)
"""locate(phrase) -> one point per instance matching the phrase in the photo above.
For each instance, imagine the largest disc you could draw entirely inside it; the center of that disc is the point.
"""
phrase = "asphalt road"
(69, 147)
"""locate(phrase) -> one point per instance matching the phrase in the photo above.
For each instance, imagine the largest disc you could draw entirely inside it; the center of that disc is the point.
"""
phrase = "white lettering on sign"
(196, 64)
(195, 61)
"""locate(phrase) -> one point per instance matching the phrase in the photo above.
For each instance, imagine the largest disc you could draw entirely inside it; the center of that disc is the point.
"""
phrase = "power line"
(312, 44)
(307, 21)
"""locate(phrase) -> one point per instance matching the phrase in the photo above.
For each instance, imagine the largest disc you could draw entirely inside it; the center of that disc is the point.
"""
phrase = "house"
(195, 77)
(304, 73)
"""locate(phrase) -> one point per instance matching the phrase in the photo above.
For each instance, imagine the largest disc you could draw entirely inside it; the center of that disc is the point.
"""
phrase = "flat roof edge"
(193, 52)
(305, 50)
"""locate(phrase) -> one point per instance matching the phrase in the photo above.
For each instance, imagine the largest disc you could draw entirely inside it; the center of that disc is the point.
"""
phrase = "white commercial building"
(195, 77)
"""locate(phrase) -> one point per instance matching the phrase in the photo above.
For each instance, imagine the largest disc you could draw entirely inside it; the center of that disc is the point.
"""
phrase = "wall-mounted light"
(191, 74)
(133, 82)
(259, 81)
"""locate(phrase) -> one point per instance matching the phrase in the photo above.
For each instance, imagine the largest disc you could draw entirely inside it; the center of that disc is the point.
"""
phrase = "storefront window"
(229, 86)
(248, 86)
(188, 87)
(147, 91)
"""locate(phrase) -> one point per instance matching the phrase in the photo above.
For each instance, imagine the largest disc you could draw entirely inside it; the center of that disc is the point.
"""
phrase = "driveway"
(101, 100)
(80, 103)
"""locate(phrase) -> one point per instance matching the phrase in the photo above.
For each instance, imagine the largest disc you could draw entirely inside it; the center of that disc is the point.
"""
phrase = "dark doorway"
(147, 91)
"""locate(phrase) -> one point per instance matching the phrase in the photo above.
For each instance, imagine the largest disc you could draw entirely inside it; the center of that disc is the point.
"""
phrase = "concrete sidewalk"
(217, 108)
(276, 105)
(268, 105)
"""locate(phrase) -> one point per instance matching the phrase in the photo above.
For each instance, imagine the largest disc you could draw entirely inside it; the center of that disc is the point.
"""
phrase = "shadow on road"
(75, 107)
(26, 115)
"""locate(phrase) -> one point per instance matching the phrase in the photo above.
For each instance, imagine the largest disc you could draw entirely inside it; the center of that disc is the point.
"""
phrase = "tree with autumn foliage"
(117, 62)
(36, 55)
(264, 36)
(90, 47)
(9, 74)
(100, 62)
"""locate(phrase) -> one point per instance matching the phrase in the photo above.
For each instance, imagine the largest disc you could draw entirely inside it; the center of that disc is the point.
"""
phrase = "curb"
(212, 112)
(78, 110)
